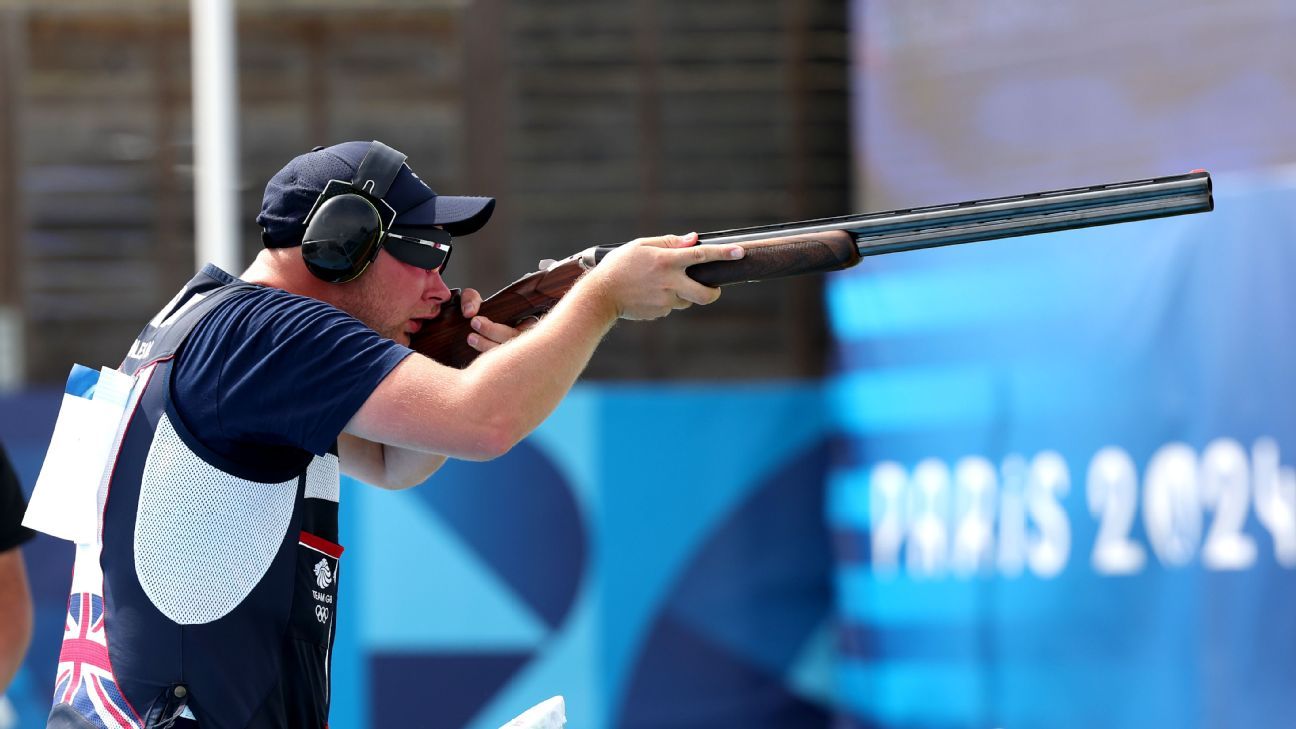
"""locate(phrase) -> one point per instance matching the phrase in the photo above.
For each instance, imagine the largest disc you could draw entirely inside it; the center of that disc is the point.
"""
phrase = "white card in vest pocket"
(548, 714)
(65, 501)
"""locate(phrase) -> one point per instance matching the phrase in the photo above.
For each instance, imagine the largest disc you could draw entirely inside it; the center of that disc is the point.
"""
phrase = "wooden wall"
(592, 122)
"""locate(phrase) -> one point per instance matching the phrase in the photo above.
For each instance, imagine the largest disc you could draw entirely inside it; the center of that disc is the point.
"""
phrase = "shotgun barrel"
(1001, 217)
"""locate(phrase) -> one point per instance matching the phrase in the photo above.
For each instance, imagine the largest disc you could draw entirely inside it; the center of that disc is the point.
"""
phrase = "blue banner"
(1066, 496)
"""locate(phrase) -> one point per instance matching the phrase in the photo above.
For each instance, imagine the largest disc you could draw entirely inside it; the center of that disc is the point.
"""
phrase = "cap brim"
(458, 215)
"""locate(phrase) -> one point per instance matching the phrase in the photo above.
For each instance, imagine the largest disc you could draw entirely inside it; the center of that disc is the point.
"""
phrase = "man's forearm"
(385, 466)
(480, 412)
(541, 366)
(495, 403)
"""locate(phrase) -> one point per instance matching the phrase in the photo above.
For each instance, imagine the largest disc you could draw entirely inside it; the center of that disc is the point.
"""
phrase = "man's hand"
(645, 279)
(487, 334)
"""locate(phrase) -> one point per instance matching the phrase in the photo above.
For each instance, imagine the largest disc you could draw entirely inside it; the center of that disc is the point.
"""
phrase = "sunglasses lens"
(426, 254)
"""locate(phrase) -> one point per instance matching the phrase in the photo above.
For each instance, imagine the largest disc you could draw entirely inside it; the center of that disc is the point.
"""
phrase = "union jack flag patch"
(85, 678)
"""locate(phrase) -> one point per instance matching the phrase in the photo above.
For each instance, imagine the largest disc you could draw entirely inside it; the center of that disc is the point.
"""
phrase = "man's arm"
(15, 615)
(385, 466)
(393, 467)
(480, 412)
(390, 467)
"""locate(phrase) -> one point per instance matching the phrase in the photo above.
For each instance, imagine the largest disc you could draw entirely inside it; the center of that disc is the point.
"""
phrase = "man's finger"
(708, 253)
(681, 241)
(480, 343)
(470, 302)
(697, 293)
(493, 331)
(669, 241)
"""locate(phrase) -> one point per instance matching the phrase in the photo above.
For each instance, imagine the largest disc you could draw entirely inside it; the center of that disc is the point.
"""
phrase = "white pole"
(215, 114)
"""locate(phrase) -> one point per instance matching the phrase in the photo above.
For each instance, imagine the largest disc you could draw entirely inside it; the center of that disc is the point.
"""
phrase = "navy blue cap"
(292, 191)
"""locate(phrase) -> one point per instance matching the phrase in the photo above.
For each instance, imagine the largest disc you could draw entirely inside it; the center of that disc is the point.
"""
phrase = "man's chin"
(406, 332)
(399, 336)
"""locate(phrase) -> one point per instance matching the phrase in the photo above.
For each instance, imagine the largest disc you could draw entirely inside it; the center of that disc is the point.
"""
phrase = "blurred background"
(1040, 482)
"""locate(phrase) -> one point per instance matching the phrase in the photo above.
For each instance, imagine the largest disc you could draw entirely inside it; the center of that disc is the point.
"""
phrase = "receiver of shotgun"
(831, 244)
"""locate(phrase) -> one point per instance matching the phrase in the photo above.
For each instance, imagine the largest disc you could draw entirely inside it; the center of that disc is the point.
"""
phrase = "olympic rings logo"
(321, 613)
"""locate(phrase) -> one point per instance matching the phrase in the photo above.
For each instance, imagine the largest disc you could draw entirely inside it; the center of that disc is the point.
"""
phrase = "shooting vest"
(212, 591)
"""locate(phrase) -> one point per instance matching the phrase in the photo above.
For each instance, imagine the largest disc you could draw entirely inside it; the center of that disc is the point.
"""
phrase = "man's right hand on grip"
(646, 279)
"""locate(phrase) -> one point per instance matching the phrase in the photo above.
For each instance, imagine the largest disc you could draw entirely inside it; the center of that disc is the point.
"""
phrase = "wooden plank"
(590, 123)
(733, 113)
(488, 112)
(13, 64)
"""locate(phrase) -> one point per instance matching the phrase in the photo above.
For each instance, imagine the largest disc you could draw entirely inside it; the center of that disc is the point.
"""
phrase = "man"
(211, 599)
(15, 600)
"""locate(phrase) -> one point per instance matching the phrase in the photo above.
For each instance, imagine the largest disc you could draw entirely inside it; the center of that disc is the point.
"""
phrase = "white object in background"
(8, 717)
(11, 349)
(548, 714)
(213, 26)
(65, 500)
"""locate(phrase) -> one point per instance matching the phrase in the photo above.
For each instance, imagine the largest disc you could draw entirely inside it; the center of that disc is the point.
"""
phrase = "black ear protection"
(349, 221)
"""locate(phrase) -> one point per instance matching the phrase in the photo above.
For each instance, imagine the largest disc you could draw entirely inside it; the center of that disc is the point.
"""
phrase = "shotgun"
(832, 244)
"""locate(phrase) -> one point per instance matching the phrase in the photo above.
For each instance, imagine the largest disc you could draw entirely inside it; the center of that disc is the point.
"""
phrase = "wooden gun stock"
(445, 338)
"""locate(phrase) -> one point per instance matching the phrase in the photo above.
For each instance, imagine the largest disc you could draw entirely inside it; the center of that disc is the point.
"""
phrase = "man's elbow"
(496, 439)
(398, 482)
(492, 447)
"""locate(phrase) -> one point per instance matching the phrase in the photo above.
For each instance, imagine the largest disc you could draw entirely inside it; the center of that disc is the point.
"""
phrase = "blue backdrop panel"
(1065, 496)
(735, 625)
(26, 422)
(657, 554)
(643, 536)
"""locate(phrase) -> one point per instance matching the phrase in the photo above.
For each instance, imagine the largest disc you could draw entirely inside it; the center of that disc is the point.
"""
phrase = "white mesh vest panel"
(323, 478)
(203, 538)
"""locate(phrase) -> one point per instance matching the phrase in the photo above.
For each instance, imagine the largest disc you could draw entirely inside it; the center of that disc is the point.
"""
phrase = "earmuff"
(346, 226)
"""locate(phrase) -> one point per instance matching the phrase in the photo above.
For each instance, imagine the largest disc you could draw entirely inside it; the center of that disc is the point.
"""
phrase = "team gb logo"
(323, 576)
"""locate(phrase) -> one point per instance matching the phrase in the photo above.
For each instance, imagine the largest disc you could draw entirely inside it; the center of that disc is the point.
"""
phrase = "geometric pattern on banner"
(436, 690)
(422, 588)
(731, 644)
(812, 673)
(485, 559)
(685, 680)
(520, 516)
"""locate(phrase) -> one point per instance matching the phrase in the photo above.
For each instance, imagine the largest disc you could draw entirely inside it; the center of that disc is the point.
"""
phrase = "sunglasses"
(430, 251)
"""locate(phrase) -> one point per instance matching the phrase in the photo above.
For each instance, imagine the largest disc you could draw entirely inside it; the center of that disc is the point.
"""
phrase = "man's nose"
(435, 289)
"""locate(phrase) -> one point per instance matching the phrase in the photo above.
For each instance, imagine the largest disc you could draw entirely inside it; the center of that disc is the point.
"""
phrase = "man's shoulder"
(272, 301)
(268, 368)
(269, 312)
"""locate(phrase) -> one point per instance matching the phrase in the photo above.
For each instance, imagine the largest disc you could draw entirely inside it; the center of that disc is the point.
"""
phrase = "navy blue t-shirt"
(269, 375)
